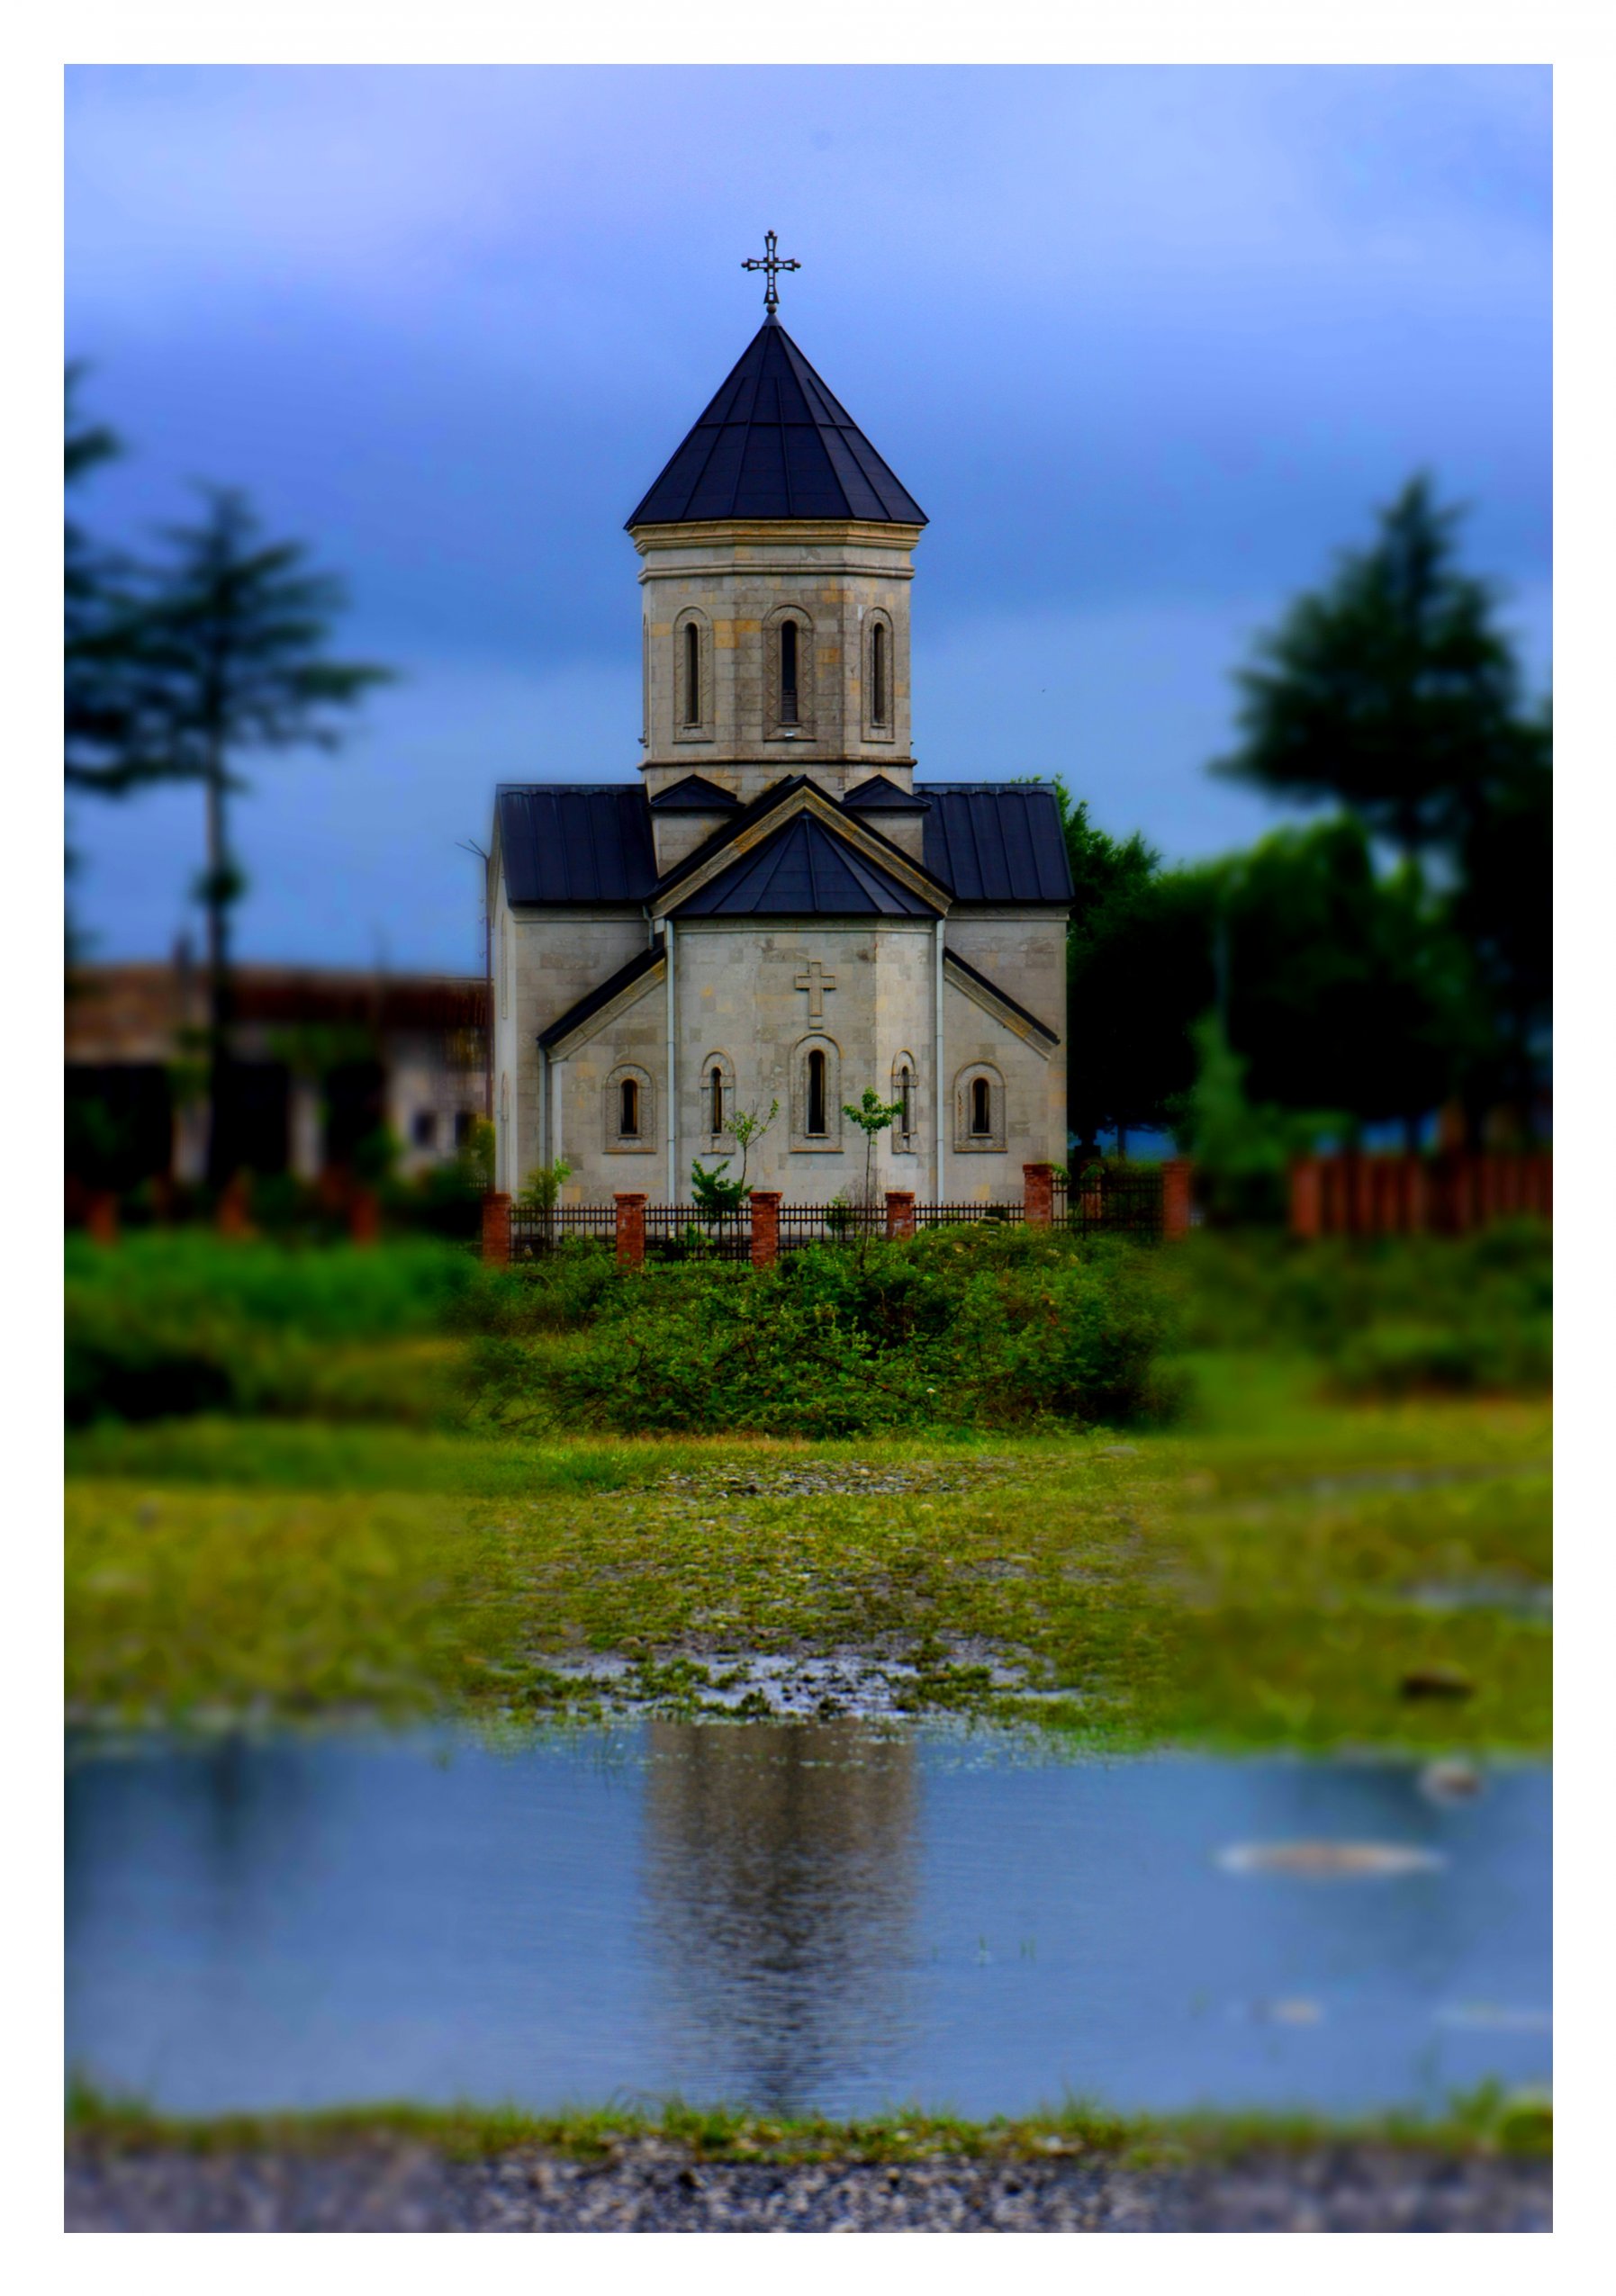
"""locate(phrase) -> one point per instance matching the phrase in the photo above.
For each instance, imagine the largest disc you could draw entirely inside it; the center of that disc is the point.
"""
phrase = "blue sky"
(1147, 345)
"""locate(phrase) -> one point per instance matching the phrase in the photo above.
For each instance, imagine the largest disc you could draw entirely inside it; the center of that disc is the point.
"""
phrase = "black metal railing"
(681, 1232)
(831, 1223)
(535, 1234)
(967, 1215)
(1112, 1202)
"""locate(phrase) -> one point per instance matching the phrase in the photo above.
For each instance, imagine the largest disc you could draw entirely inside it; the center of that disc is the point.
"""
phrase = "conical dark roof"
(774, 444)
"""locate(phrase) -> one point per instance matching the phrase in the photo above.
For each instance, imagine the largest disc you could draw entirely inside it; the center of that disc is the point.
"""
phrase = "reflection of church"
(781, 1889)
(778, 909)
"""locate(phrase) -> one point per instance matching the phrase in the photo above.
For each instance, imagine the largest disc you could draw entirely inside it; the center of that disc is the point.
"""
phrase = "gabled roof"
(572, 842)
(773, 444)
(590, 843)
(879, 795)
(647, 960)
(804, 870)
(955, 966)
(997, 841)
(696, 793)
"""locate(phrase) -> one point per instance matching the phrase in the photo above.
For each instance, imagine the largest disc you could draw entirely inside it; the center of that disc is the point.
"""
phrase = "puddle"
(826, 1917)
(854, 1683)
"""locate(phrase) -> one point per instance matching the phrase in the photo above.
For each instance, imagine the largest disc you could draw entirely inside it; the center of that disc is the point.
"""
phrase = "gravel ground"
(655, 2188)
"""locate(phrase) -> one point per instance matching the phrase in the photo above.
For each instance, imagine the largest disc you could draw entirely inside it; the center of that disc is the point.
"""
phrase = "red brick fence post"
(496, 1230)
(1038, 1194)
(1307, 1198)
(631, 1230)
(234, 1198)
(900, 1212)
(1176, 1174)
(765, 1226)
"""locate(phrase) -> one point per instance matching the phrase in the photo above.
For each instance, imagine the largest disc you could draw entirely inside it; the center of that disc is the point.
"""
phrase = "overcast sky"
(1148, 346)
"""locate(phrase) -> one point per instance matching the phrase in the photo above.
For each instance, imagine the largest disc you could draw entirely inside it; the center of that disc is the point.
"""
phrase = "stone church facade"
(778, 909)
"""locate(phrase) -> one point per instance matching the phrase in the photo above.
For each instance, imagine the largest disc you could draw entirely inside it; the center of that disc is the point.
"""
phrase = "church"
(778, 909)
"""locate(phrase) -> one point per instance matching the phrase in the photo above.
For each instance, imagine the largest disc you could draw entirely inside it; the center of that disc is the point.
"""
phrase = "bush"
(984, 1327)
(174, 1323)
(1389, 1315)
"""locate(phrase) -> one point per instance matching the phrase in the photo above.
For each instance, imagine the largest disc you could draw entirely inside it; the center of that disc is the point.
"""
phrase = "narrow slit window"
(905, 1088)
(693, 674)
(628, 1108)
(788, 674)
(716, 1103)
(877, 680)
(981, 1105)
(816, 1092)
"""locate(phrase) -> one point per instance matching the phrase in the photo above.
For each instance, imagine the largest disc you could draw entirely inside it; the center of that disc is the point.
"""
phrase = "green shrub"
(960, 1328)
(174, 1323)
(1389, 1315)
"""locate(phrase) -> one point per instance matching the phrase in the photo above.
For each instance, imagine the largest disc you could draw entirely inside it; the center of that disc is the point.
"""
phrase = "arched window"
(629, 1108)
(693, 674)
(979, 1115)
(788, 674)
(877, 676)
(714, 1101)
(816, 1089)
(906, 1101)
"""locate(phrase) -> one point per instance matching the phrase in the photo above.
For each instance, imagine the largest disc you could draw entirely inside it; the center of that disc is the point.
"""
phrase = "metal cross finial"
(772, 263)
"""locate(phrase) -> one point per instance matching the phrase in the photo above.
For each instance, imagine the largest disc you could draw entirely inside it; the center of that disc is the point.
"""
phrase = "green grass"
(1257, 1578)
(1489, 2119)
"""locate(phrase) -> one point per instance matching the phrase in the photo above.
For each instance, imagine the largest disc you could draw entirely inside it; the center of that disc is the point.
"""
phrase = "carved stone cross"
(815, 980)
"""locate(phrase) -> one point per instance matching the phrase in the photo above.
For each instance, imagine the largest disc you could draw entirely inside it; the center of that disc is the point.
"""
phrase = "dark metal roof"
(696, 793)
(571, 842)
(624, 978)
(950, 957)
(878, 795)
(997, 841)
(773, 444)
(803, 870)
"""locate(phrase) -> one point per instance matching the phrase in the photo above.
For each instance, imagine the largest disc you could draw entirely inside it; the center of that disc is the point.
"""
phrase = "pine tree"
(1391, 691)
(233, 658)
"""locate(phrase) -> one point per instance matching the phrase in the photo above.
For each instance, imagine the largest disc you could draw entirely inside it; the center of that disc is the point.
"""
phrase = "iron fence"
(965, 1215)
(831, 1223)
(535, 1234)
(1108, 1201)
(680, 1232)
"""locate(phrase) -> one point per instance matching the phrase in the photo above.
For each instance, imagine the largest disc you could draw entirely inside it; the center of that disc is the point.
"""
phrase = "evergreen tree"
(1342, 989)
(1503, 908)
(233, 635)
(1138, 976)
(1391, 691)
(98, 643)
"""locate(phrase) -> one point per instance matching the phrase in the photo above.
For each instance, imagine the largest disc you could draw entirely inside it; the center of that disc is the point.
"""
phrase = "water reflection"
(781, 1882)
(805, 1917)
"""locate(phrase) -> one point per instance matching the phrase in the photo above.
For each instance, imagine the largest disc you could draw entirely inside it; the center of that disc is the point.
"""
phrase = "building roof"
(805, 870)
(696, 793)
(773, 444)
(140, 1012)
(985, 841)
(880, 795)
(998, 840)
(645, 960)
(953, 963)
(576, 842)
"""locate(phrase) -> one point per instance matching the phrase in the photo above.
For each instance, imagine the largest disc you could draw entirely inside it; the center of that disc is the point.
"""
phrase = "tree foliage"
(1391, 691)
(234, 633)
